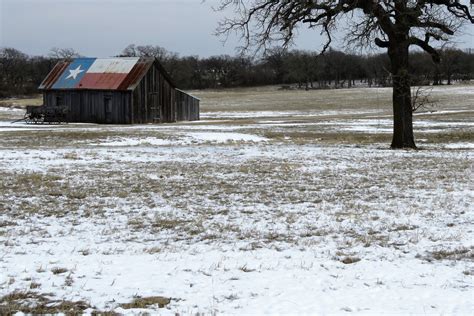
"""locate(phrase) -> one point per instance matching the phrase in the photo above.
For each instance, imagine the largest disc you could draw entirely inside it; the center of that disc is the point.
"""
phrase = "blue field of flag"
(73, 74)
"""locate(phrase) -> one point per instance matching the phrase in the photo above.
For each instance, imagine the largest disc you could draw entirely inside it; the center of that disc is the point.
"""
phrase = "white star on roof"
(73, 73)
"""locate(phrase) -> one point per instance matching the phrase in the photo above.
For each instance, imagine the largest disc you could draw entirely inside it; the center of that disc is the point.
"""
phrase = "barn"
(125, 90)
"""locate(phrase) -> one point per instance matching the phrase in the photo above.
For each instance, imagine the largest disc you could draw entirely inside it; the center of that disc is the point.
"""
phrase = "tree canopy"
(265, 22)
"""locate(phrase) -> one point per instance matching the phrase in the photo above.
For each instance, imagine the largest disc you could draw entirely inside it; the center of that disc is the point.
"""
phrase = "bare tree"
(63, 53)
(13, 70)
(392, 24)
(421, 99)
(451, 63)
(129, 51)
(156, 51)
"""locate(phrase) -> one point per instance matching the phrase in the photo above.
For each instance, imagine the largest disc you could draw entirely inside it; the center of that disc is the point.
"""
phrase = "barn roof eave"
(189, 94)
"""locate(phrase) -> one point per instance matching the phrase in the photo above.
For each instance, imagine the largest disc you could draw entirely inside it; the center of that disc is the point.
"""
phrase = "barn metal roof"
(98, 73)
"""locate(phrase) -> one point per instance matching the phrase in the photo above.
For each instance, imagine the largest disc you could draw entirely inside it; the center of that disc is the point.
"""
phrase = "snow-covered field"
(302, 210)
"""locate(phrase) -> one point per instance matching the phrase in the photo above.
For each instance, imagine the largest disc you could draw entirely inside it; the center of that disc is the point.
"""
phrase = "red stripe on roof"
(104, 81)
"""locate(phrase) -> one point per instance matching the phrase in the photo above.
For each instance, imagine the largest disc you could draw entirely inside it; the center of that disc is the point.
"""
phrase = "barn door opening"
(60, 100)
(108, 109)
(154, 107)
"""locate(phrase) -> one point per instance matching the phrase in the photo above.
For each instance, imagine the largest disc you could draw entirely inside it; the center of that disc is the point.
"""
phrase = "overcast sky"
(103, 28)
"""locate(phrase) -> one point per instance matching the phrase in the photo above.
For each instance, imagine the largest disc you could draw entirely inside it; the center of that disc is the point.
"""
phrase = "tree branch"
(426, 47)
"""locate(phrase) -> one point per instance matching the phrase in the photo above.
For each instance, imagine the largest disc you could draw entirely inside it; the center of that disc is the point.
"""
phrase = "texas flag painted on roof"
(95, 73)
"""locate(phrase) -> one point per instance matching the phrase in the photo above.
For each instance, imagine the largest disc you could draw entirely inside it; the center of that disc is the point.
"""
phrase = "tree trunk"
(449, 75)
(402, 107)
(436, 79)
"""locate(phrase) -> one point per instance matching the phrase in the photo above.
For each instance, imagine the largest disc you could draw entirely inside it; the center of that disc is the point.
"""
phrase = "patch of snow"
(443, 112)
(11, 109)
(225, 137)
(124, 142)
(270, 114)
(180, 139)
(460, 146)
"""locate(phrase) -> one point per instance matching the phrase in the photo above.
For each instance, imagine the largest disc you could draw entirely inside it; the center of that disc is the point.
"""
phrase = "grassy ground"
(275, 194)
(21, 102)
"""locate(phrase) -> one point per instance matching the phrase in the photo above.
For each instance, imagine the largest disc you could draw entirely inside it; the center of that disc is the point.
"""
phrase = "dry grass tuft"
(453, 254)
(58, 270)
(350, 260)
(34, 285)
(246, 269)
(167, 221)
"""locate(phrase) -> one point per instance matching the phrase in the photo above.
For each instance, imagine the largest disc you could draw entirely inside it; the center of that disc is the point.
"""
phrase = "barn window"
(108, 104)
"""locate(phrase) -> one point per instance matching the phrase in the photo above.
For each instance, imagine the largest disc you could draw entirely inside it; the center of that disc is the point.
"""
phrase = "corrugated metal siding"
(113, 65)
(107, 81)
(74, 73)
(136, 74)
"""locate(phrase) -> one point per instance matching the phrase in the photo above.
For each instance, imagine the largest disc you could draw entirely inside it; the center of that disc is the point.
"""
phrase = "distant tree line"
(21, 74)
(304, 69)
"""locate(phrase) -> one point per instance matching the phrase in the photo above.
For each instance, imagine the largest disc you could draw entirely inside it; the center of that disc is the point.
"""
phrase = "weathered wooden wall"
(89, 106)
(187, 107)
(153, 99)
(156, 100)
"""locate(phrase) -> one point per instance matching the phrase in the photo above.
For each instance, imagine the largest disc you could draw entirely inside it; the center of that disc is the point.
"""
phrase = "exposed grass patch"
(153, 250)
(350, 260)
(305, 137)
(77, 195)
(6, 224)
(444, 137)
(146, 302)
(137, 223)
(58, 270)
(273, 99)
(167, 221)
(452, 254)
(22, 102)
(71, 156)
(39, 304)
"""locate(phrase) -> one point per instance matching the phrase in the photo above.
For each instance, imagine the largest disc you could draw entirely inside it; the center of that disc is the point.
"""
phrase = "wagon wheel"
(26, 118)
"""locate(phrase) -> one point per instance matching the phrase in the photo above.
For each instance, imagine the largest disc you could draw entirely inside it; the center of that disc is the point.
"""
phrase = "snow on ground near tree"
(198, 137)
(368, 125)
(241, 216)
